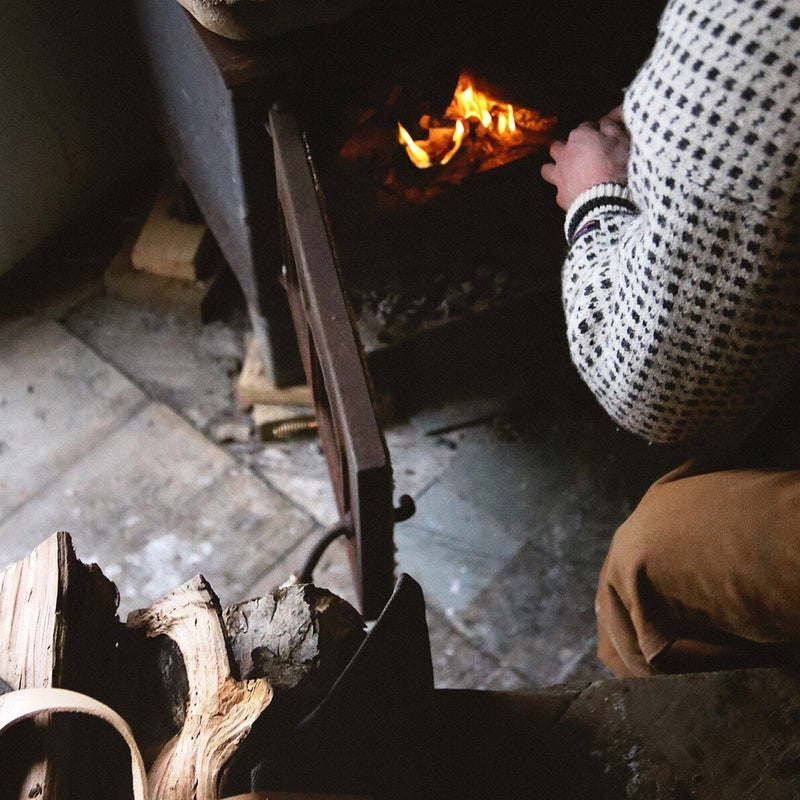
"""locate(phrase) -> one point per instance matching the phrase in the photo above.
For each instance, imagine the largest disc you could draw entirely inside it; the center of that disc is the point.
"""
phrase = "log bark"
(296, 634)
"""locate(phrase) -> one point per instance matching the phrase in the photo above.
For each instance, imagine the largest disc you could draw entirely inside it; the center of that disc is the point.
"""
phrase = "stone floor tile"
(549, 472)
(537, 617)
(417, 460)
(155, 504)
(175, 359)
(58, 400)
(298, 469)
(459, 664)
(451, 547)
(445, 421)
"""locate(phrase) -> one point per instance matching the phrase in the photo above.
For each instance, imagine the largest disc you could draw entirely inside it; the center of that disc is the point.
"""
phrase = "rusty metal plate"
(356, 452)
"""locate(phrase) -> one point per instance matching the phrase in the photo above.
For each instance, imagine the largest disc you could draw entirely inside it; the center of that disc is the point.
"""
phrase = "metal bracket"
(405, 510)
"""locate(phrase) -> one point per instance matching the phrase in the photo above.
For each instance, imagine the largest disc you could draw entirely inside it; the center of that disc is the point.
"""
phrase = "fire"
(474, 115)
(416, 152)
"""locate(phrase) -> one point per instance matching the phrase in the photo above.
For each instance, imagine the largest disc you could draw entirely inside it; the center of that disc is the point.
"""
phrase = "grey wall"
(71, 118)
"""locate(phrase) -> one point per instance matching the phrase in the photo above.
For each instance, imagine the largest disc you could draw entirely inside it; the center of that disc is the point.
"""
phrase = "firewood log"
(220, 710)
(298, 639)
(297, 633)
(191, 680)
(58, 628)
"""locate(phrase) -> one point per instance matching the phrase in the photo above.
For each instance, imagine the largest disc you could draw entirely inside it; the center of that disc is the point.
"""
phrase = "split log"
(171, 247)
(195, 299)
(254, 387)
(299, 637)
(219, 711)
(58, 628)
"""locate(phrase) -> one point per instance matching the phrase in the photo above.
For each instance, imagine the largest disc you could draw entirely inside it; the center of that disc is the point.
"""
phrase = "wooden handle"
(26, 703)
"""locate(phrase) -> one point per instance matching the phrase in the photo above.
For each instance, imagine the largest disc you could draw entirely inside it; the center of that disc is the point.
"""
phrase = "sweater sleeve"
(682, 296)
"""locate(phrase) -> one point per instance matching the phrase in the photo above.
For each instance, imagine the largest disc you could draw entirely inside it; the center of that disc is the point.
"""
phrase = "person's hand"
(593, 153)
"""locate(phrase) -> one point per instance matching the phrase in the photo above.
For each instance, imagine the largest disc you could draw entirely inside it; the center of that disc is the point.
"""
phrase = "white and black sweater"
(682, 291)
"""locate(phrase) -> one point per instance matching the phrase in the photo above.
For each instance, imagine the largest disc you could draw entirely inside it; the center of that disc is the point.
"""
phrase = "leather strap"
(25, 703)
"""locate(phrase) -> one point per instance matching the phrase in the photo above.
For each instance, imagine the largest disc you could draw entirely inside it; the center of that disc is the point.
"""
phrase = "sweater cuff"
(596, 199)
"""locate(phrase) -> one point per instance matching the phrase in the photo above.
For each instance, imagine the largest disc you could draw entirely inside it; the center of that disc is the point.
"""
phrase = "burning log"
(478, 131)
(489, 131)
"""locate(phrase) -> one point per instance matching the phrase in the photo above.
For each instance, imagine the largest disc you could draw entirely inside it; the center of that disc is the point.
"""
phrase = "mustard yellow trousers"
(705, 574)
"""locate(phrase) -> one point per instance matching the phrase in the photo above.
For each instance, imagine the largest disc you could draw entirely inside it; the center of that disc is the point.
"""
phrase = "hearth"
(292, 149)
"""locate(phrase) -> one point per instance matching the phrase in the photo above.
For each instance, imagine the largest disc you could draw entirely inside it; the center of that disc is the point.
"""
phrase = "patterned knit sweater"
(682, 290)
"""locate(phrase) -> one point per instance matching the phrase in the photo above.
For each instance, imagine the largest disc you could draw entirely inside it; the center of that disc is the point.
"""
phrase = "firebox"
(377, 180)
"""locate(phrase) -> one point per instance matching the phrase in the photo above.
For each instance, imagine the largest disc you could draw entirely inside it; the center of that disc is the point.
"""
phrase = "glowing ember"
(475, 116)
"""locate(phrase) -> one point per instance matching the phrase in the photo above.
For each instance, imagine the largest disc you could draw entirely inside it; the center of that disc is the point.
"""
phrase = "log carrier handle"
(23, 704)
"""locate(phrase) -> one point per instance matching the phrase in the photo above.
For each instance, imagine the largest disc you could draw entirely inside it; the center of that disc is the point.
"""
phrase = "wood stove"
(257, 130)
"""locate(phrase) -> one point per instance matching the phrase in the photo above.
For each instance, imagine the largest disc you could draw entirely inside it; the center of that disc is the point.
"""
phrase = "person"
(681, 291)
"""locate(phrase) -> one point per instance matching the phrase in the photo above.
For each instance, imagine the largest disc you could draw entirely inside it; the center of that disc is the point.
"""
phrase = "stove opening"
(478, 131)
(437, 212)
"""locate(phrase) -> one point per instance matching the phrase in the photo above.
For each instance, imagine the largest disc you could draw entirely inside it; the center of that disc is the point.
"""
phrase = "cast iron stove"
(246, 122)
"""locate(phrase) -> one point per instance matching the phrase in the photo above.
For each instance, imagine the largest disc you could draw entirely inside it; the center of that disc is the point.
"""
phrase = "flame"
(470, 104)
(471, 112)
(506, 123)
(415, 150)
(458, 137)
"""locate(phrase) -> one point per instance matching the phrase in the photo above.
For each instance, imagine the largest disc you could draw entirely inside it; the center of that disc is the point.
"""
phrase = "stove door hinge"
(406, 508)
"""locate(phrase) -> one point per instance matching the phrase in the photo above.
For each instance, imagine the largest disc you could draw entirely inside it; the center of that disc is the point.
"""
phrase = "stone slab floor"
(118, 424)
